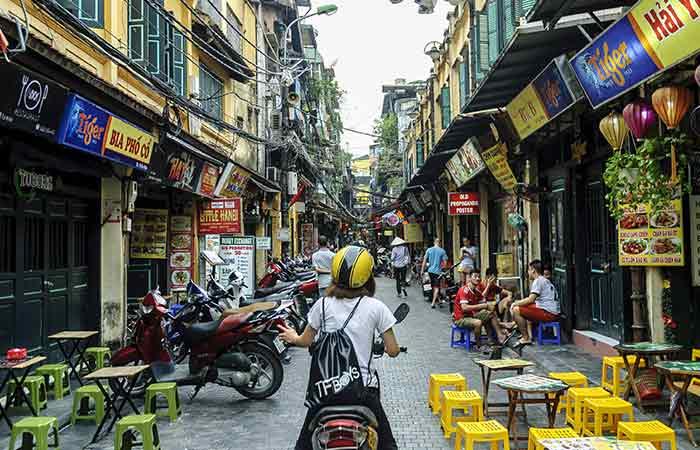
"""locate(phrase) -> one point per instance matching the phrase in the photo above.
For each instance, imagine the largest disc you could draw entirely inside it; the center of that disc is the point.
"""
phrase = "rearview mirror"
(401, 312)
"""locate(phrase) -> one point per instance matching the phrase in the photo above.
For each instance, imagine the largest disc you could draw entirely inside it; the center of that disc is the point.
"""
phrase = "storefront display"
(181, 252)
(149, 234)
(647, 239)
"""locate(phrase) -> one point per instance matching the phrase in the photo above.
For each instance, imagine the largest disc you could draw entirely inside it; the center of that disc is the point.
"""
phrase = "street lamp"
(323, 10)
(432, 49)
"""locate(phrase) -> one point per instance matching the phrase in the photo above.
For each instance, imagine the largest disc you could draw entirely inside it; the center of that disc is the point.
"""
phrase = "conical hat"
(397, 241)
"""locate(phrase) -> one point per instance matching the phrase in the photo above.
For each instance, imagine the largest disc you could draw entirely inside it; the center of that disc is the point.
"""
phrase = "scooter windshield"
(194, 290)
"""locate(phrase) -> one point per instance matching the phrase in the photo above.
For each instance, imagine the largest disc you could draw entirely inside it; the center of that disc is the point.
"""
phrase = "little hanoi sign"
(463, 203)
(652, 37)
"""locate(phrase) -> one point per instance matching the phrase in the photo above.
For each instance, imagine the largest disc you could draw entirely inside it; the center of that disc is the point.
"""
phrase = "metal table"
(488, 366)
(79, 339)
(11, 367)
(647, 351)
(549, 389)
(124, 379)
(594, 443)
(679, 377)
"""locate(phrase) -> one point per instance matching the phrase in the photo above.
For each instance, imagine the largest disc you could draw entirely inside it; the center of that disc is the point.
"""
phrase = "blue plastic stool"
(556, 331)
(465, 338)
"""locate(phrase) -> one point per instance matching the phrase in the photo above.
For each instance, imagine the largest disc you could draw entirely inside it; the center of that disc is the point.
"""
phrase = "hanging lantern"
(671, 103)
(639, 116)
(614, 129)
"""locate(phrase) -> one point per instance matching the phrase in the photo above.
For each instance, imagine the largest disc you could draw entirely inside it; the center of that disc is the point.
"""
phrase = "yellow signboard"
(412, 233)
(123, 138)
(527, 112)
(496, 159)
(646, 239)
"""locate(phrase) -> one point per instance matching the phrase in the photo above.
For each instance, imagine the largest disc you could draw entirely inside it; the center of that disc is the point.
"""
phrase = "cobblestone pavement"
(220, 419)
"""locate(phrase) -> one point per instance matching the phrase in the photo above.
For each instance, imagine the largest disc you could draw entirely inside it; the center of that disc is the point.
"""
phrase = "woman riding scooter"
(351, 295)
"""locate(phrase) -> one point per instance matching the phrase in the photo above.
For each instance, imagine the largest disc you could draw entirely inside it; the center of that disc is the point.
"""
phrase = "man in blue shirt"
(434, 257)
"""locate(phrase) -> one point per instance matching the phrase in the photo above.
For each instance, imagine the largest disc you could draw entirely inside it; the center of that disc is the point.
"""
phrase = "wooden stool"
(576, 397)
(616, 364)
(438, 381)
(58, 373)
(460, 400)
(652, 431)
(573, 379)
(613, 408)
(473, 432)
(81, 407)
(537, 434)
(167, 390)
(34, 433)
(145, 424)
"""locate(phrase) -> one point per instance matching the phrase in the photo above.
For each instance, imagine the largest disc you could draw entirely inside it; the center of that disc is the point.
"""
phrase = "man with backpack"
(346, 321)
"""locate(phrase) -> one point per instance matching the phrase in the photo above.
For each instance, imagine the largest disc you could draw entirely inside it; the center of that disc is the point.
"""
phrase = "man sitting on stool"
(471, 311)
(542, 305)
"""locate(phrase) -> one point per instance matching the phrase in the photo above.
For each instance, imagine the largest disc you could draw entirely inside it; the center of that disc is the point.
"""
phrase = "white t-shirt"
(469, 255)
(547, 297)
(371, 318)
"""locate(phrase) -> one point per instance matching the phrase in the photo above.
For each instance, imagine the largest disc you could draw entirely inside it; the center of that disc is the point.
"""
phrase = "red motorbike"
(240, 349)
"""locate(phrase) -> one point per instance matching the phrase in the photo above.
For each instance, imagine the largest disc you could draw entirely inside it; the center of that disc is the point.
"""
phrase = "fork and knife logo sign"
(31, 98)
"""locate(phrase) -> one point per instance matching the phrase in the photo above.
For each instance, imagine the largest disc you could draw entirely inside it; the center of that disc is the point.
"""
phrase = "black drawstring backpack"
(335, 375)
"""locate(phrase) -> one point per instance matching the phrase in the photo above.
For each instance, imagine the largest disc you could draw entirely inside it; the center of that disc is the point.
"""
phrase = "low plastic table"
(488, 366)
(11, 368)
(594, 443)
(79, 340)
(679, 377)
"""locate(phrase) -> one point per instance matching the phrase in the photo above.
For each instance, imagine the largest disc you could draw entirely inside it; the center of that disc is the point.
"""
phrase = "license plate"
(279, 345)
(427, 287)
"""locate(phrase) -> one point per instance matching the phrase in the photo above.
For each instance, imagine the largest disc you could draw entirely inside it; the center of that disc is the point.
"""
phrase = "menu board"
(239, 254)
(149, 234)
(181, 248)
(646, 239)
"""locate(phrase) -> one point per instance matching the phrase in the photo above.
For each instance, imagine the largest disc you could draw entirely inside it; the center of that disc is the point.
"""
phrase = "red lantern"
(639, 117)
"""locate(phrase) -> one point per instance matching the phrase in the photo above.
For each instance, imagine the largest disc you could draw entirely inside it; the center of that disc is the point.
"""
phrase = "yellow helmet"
(352, 266)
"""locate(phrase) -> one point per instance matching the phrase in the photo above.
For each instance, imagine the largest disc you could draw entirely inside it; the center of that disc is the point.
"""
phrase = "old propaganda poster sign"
(496, 159)
(647, 239)
(463, 203)
(221, 217)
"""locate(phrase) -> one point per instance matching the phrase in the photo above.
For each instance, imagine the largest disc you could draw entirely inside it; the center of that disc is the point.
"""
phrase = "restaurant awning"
(550, 11)
(263, 184)
(528, 52)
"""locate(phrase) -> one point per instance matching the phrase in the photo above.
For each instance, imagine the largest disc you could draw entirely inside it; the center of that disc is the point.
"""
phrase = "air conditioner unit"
(273, 174)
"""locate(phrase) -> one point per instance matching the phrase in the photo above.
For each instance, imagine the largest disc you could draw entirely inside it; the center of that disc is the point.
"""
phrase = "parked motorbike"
(351, 426)
(448, 287)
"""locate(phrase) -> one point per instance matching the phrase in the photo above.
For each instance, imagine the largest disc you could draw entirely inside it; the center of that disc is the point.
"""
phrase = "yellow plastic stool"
(576, 397)
(606, 413)
(573, 379)
(460, 400)
(616, 364)
(438, 381)
(696, 356)
(652, 431)
(472, 432)
(537, 434)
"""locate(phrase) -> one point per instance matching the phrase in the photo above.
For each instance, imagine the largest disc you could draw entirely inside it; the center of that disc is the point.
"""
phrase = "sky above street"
(373, 42)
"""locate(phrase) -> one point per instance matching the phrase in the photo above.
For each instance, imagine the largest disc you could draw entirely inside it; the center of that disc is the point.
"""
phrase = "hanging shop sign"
(650, 38)
(181, 251)
(232, 182)
(466, 163)
(239, 254)
(646, 239)
(412, 233)
(208, 179)
(463, 203)
(220, 217)
(183, 170)
(283, 234)
(551, 93)
(32, 103)
(149, 234)
(87, 127)
(415, 203)
(263, 243)
(496, 159)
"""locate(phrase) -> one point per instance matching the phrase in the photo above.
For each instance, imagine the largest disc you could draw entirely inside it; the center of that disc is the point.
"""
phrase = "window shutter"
(524, 7)
(137, 32)
(179, 63)
(90, 12)
(419, 153)
(509, 20)
(155, 36)
(446, 110)
(494, 47)
(483, 61)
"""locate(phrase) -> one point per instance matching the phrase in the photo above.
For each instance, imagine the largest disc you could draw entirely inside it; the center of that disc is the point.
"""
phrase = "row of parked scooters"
(219, 335)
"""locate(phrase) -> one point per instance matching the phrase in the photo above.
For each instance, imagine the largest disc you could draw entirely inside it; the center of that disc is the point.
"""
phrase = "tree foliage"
(390, 164)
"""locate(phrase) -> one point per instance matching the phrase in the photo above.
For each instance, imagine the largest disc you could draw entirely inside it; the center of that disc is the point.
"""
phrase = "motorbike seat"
(305, 273)
(357, 412)
(200, 331)
(280, 286)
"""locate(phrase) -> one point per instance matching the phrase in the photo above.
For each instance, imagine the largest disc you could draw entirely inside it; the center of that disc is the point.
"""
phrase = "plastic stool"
(37, 429)
(145, 424)
(537, 434)
(167, 390)
(612, 408)
(696, 356)
(58, 373)
(556, 330)
(573, 379)
(439, 380)
(37, 391)
(84, 394)
(473, 432)
(460, 400)
(464, 339)
(574, 416)
(616, 364)
(652, 431)
(99, 355)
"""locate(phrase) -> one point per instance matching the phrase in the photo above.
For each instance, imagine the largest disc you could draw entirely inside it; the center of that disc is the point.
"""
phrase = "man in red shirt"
(490, 289)
(471, 311)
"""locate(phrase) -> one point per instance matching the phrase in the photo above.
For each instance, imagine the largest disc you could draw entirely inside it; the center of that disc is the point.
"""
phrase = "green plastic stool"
(81, 401)
(145, 424)
(59, 374)
(37, 391)
(167, 390)
(34, 433)
(98, 355)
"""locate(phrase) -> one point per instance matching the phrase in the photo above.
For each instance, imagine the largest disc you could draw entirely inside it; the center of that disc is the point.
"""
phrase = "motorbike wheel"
(271, 372)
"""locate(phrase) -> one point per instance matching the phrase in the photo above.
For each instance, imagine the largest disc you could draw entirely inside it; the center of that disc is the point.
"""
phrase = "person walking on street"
(434, 258)
(400, 259)
(321, 261)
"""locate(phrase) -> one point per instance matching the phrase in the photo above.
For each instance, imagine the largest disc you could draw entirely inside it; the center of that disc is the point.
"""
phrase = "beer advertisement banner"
(646, 239)
(496, 159)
